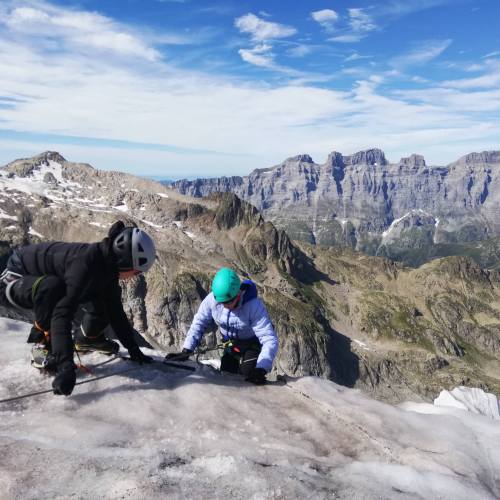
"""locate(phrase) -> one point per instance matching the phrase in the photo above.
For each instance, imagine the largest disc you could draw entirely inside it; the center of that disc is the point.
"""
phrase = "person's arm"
(200, 323)
(77, 284)
(118, 319)
(264, 331)
(124, 331)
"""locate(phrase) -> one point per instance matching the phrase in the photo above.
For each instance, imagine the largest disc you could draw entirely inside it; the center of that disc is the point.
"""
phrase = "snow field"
(169, 434)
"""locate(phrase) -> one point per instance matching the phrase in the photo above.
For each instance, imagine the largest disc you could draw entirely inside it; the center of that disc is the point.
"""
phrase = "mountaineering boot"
(42, 359)
(99, 344)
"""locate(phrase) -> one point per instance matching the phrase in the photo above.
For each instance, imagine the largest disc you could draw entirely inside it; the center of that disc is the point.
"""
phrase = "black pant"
(42, 293)
(39, 293)
(241, 357)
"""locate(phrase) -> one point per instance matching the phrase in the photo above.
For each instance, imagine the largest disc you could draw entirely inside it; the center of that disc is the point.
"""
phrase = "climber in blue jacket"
(250, 339)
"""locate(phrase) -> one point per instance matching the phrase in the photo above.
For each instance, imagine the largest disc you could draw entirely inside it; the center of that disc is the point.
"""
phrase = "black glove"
(64, 381)
(179, 356)
(138, 356)
(257, 376)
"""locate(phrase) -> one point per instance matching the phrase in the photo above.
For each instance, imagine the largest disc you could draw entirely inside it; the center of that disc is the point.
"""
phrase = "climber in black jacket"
(55, 278)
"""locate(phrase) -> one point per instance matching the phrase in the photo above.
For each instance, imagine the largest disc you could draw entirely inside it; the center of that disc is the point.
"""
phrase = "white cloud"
(486, 81)
(360, 25)
(405, 7)
(496, 53)
(86, 30)
(300, 50)
(261, 30)
(324, 15)
(356, 57)
(360, 21)
(427, 51)
(326, 18)
(350, 38)
(472, 68)
(258, 56)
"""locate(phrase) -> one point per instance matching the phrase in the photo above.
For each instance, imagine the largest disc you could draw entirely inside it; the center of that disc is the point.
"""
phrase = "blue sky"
(195, 88)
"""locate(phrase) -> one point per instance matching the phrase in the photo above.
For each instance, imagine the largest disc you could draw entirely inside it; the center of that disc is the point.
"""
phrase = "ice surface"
(470, 399)
(155, 433)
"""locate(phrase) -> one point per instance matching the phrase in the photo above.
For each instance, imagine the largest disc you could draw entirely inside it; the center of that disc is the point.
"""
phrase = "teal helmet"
(225, 285)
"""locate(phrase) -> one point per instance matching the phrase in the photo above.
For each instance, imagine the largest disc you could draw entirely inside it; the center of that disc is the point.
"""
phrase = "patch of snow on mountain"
(121, 208)
(4, 215)
(395, 222)
(361, 344)
(162, 195)
(35, 233)
(156, 226)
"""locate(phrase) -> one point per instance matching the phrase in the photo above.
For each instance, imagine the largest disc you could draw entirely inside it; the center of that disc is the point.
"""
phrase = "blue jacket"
(248, 320)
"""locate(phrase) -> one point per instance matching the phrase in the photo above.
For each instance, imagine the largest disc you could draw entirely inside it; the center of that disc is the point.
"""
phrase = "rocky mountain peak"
(413, 161)
(25, 167)
(50, 156)
(232, 211)
(300, 159)
(335, 159)
(484, 157)
(373, 156)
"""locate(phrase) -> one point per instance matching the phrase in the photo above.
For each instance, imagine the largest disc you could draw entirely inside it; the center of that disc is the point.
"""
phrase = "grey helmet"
(134, 250)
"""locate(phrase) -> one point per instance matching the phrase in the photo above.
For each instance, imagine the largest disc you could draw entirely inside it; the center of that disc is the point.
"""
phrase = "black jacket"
(90, 275)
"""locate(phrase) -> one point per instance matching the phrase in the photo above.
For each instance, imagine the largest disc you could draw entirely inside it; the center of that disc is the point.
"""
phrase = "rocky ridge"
(362, 321)
(357, 200)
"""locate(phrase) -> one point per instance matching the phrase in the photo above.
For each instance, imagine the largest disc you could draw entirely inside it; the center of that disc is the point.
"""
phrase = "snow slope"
(169, 434)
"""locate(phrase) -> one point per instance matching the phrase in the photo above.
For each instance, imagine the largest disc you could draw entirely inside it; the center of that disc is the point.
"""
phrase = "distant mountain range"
(407, 211)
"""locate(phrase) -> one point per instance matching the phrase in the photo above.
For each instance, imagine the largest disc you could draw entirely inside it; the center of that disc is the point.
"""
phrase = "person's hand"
(139, 357)
(64, 381)
(179, 356)
(257, 376)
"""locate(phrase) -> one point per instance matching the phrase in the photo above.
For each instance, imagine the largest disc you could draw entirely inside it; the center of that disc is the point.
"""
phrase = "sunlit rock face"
(353, 200)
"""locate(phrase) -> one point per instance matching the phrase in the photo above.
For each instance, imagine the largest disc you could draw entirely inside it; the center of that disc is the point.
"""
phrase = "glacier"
(153, 433)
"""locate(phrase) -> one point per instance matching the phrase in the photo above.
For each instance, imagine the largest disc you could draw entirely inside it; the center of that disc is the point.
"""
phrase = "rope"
(199, 352)
(80, 365)
(93, 379)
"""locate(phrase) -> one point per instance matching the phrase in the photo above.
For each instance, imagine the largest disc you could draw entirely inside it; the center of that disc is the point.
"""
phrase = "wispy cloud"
(262, 30)
(405, 7)
(300, 50)
(80, 29)
(349, 38)
(356, 57)
(496, 53)
(326, 18)
(491, 78)
(361, 21)
(425, 52)
(260, 55)
(263, 33)
(360, 25)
